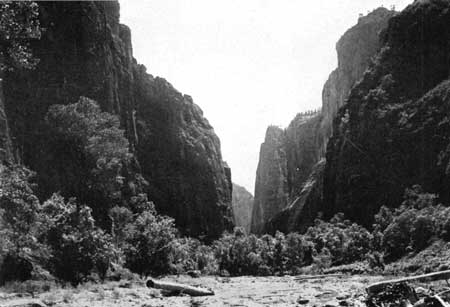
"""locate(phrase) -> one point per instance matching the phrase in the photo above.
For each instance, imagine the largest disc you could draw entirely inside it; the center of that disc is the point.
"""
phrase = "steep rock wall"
(394, 130)
(355, 49)
(6, 155)
(307, 137)
(242, 207)
(85, 51)
(271, 189)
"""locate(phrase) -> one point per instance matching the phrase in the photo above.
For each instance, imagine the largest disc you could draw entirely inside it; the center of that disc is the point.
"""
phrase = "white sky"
(247, 63)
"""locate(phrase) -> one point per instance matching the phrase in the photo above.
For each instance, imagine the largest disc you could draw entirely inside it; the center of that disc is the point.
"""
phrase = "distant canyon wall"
(305, 140)
(242, 207)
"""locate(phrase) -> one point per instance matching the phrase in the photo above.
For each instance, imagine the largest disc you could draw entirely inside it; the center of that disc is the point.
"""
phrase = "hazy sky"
(247, 63)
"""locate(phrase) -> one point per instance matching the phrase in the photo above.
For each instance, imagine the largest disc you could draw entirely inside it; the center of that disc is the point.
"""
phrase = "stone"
(302, 301)
(299, 192)
(194, 273)
(85, 51)
(242, 201)
(271, 189)
(390, 135)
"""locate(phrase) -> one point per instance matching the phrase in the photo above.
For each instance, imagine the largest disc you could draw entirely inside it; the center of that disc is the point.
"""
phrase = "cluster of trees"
(310, 112)
(418, 222)
(99, 224)
(61, 237)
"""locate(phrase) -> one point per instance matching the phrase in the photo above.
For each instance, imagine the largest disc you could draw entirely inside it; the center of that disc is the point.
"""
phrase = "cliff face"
(301, 212)
(85, 51)
(355, 49)
(303, 147)
(6, 154)
(271, 189)
(307, 136)
(394, 130)
(242, 207)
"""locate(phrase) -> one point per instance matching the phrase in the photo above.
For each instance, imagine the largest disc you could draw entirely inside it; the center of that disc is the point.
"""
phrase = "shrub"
(188, 254)
(298, 252)
(20, 224)
(79, 248)
(121, 217)
(240, 254)
(347, 242)
(412, 226)
(148, 242)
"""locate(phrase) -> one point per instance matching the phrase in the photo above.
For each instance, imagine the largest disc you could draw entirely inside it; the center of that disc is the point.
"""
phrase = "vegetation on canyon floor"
(59, 239)
(87, 218)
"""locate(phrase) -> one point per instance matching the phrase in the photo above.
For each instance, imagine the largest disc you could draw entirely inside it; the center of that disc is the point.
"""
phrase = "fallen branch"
(373, 288)
(308, 277)
(176, 288)
(23, 302)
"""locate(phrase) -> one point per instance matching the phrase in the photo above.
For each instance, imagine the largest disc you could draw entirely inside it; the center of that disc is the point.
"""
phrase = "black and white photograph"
(234, 153)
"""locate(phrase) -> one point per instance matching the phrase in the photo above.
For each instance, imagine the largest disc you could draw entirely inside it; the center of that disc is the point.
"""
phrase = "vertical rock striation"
(307, 136)
(271, 190)
(6, 154)
(85, 51)
(242, 207)
(394, 130)
(355, 50)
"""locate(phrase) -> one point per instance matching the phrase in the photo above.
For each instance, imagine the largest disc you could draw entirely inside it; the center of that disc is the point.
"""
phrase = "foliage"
(412, 226)
(147, 243)
(347, 242)
(19, 23)
(99, 136)
(78, 247)
(20, 224)
(91, 158)
(239, 254)
(188, 254)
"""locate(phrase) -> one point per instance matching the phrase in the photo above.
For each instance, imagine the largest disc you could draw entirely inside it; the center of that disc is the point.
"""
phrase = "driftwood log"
(23, 303)
(176, 288)
(308, 277)
(443, 275)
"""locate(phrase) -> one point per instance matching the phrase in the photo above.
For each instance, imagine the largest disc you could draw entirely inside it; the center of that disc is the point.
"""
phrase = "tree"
(89, 157)
(20, 224)
(78, 247)
(148, 243)
(19, 23)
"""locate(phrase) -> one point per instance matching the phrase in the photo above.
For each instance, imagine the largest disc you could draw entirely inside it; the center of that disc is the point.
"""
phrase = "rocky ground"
(238, 291)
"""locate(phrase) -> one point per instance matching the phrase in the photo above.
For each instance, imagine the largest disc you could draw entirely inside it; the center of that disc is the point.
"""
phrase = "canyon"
(296, 198)
(383, 126)
(85, 51)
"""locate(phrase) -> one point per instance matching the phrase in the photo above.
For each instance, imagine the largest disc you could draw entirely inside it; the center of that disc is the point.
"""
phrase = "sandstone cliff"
(271, 189)
(242, 207)
(6, 154)
(355, 50)
(394, 130)
(307, 136)
(85, 51)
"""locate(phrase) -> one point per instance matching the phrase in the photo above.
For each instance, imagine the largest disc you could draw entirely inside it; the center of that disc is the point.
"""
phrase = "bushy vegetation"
(90, 158)
(239, 254)
(19, 23)
(20, 224)
(413, 226)
(416, 224)
(100, 225)
(78, 247)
